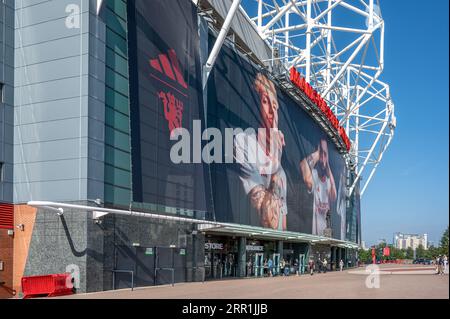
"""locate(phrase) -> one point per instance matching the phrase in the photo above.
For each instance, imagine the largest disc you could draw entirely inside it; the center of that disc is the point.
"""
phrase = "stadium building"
(127, 154)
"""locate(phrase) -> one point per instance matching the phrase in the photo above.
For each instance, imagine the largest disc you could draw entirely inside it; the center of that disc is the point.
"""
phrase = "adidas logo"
(168, 64)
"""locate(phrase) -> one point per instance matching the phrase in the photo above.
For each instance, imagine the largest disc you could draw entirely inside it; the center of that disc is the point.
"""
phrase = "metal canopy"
(270, 234)
(202, 225)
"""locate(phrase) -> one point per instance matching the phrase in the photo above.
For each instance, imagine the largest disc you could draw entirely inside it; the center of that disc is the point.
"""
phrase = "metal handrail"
(173, 273)
(123, 272)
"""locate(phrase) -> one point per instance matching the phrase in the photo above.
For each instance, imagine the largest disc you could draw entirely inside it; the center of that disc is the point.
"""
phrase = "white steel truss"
(338, 46)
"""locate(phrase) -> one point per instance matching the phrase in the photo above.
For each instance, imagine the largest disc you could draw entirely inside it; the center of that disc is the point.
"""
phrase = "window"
(1, 171)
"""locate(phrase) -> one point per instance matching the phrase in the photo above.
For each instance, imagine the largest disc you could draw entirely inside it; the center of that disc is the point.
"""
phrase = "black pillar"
(242, 256)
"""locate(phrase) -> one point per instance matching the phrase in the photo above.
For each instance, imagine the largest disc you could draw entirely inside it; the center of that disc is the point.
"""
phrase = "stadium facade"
(93, 93)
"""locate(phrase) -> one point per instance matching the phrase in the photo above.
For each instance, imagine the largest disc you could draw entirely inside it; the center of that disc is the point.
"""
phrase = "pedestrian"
(341, 265)
(324, 265)
(445, 264)
(437, 262)
(311, 266)
(296, 267)
(270, 267)
(441, 265)
(249, 268)
(287, 268)
(282, 266)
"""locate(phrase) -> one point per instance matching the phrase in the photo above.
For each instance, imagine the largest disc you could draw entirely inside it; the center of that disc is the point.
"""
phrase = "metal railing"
(172, 270)
(123, 272)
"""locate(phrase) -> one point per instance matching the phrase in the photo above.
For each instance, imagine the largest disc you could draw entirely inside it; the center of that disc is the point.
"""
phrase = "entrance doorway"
(258, 265)
(148, 266)
(302, 263)
(276, 264)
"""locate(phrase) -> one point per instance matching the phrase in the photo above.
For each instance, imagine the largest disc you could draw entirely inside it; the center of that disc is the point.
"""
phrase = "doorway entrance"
(258, 265)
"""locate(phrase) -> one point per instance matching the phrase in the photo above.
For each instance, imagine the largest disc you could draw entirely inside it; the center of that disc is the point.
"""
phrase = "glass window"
(117, 101)
(117, 139)
(116, 81)
(117, 158)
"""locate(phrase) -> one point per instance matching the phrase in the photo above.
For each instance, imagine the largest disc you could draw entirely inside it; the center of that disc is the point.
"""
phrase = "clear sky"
(409, 192)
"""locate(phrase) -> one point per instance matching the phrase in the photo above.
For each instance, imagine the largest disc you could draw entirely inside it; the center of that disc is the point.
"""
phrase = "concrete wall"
(7, 102)
(76, 241)
(59, 102)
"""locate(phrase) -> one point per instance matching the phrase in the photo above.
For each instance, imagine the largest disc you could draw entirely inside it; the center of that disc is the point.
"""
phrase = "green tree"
(365, 256)
(444, 243)
(409, 253)
(420, 252)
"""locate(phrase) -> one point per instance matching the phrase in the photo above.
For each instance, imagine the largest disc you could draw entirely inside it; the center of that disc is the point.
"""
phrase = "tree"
(409, 253)
(365, 256)
(444, 243)
(420, 252)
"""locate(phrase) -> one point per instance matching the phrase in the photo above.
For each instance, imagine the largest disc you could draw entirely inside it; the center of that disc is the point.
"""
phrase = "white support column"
(286, 40)
(344, 67)
(329, 37)
(260, 5)
(221, 38)
(309, 21)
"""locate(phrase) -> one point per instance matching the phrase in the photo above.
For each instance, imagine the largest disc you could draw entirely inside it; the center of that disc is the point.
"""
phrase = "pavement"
(386, 282)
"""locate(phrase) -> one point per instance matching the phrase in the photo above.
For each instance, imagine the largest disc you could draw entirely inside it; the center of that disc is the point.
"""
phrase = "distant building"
(363, 245)
(404, 241)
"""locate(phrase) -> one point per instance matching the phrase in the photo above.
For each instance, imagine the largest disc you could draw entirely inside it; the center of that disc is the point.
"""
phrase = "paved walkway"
(395, 281)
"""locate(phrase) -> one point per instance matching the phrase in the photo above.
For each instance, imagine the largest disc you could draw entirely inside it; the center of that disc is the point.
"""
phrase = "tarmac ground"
(385, 282)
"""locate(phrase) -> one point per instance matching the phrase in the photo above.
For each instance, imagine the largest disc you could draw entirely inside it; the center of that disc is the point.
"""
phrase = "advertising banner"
(256, 159)
(297, 182)
(166, 95)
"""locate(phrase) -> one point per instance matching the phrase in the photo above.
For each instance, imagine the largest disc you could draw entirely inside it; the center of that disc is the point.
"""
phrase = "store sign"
(255, 248)
(213, 246)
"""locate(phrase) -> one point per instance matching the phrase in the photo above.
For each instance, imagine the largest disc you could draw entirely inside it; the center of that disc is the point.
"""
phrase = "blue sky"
(409, 192)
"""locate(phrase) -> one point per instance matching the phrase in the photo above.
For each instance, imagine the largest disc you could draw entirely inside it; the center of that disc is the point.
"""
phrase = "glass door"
(302, 263)
(258, 265)
(276, 264)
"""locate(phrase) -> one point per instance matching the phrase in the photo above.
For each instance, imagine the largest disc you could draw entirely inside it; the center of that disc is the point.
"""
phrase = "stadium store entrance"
(220, 257)
(258, 254)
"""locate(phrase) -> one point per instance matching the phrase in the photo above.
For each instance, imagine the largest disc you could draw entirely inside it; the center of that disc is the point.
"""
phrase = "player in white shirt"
(319, 180)
(259, 155)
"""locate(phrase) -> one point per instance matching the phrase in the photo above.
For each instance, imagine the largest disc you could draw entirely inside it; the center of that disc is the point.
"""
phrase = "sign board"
(183, 252)
(213, 246)
(149, 251)
(254, 248)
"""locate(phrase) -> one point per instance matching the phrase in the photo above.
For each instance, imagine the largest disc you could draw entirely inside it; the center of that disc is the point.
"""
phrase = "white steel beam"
(221, 37)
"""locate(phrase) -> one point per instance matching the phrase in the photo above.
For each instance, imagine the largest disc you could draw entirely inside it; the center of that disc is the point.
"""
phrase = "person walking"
(324, 265)
(270, 267)
(282, 266)
(311, 266)
(436, 262)
(296, 267)
(445, 264)
(441, 265)
(341, 265)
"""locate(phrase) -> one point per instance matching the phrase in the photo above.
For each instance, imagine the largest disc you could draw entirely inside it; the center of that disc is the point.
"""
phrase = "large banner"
(256, 159)
(166, 94)
(297, 184)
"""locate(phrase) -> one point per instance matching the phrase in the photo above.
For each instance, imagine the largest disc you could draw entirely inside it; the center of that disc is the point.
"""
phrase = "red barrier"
(47, 286)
